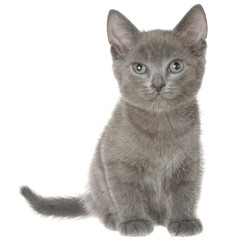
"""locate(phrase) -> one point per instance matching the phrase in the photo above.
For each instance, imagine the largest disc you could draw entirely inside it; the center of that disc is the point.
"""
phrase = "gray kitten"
(147, 167)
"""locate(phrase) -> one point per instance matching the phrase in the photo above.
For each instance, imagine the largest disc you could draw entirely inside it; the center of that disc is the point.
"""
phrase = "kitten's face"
(157, 70)
(159, 73)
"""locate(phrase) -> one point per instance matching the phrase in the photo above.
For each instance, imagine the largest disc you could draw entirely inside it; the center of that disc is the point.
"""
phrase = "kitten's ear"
(122, 34)
(193, 29)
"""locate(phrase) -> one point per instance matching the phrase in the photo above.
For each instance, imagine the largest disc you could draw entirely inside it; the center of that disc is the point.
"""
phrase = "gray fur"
(147, 167)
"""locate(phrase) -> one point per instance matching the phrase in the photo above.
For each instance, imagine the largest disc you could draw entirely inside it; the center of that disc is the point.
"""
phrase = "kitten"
(147, 167)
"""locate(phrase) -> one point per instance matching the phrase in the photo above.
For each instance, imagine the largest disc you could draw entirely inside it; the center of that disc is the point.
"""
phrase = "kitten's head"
(158, 70)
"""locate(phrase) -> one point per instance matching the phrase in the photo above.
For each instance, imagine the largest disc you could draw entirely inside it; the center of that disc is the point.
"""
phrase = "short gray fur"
(147, 167)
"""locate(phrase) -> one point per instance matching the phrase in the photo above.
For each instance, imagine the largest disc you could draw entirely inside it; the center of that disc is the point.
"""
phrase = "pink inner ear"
(120, 32)
(193, 27)
(112, 30)
(119, 37)
(198, 28)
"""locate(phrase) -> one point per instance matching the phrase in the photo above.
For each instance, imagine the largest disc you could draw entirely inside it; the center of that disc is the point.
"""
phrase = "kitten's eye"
(140, 68)
(175, 67)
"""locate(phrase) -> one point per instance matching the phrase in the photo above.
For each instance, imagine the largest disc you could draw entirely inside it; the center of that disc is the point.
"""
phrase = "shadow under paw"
(161, 218)
(136, 228)
(188, 227)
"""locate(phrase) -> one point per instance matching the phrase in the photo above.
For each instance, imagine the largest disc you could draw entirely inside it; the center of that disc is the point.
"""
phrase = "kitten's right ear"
(122, 34)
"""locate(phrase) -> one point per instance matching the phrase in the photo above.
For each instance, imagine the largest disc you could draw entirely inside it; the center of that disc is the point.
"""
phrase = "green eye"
(175, 67)
(140, 68)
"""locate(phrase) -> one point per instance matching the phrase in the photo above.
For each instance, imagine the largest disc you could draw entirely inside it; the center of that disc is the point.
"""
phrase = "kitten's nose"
(158, 87)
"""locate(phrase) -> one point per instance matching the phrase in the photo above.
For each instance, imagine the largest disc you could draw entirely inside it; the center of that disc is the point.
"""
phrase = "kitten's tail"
(58, 207)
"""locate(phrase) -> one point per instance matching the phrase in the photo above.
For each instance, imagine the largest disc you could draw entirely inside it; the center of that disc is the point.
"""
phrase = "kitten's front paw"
(182, 228)
(136, 228)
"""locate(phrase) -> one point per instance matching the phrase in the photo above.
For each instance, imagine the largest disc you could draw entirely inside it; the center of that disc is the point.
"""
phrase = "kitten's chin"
(155, 104)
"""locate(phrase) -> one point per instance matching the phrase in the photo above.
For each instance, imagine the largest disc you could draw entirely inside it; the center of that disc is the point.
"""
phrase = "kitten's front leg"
(128, 197)
(182, 204)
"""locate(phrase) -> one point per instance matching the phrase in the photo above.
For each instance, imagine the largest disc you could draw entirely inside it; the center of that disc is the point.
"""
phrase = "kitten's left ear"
(122, 34)
(193, 29)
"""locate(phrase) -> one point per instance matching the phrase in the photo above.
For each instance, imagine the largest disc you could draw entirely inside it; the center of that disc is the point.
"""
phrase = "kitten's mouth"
(158, 97)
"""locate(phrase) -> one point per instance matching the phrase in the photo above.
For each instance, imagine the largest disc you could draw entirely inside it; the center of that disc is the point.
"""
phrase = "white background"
(57, 92)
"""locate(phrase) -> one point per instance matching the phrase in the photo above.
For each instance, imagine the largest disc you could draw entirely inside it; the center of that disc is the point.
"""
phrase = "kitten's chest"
(163, 156)
(163, 148)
